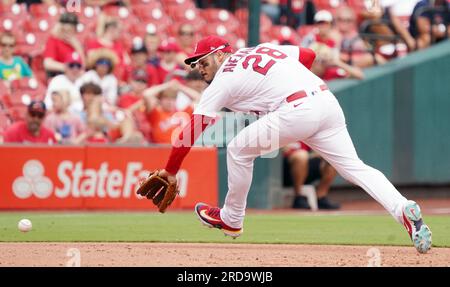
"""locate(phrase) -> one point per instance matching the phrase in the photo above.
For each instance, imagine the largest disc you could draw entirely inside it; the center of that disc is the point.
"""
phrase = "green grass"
(184, 227)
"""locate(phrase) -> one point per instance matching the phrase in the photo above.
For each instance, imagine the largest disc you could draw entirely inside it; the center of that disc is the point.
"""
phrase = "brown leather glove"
(159, 189)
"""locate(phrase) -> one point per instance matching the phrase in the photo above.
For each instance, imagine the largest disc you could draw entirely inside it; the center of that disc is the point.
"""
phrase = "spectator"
(168, 63)
(324, 32)
(300, 12)
(102, 63)
(386, 23)
(11, 67)
(329, 66)
(61, 44)
(162, 112)
(152, 41)
(115, 125)
(133, 101)
(31, 130)
(68, 81)
(109, 37)
(139, 62)
(190, 92)
(306, 167)
(272, 9)
(353, 50)
(438, 23)
(68, 127)
(186, 40)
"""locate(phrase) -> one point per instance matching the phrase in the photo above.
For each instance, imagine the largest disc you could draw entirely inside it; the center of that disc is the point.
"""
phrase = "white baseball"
(25, 225)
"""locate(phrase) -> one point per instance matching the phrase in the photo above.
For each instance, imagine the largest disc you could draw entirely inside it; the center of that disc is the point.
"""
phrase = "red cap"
(169, 46)
(207, 45)
(73, 58)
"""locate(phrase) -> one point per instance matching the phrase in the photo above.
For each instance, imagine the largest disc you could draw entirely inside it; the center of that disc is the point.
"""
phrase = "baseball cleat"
(419, 232)
(210, 217)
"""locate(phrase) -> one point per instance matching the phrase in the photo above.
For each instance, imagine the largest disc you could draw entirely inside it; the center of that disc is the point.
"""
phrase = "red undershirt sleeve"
(185, 141)
(306, 57)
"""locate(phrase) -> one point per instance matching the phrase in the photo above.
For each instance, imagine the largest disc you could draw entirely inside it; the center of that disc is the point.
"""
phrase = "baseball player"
(297, 106)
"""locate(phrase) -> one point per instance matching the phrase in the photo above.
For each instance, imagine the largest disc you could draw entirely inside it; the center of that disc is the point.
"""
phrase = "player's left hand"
(160, 187)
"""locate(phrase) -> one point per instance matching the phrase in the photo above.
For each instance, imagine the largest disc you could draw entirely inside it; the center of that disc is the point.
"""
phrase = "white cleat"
(419, 232)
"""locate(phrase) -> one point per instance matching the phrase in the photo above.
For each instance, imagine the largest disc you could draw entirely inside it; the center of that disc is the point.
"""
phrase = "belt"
(302, 94)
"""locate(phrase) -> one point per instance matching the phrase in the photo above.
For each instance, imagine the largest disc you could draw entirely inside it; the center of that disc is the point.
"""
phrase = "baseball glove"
(159, 190)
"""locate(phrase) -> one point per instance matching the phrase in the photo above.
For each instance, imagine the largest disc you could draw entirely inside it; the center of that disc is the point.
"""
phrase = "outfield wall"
(98, 177)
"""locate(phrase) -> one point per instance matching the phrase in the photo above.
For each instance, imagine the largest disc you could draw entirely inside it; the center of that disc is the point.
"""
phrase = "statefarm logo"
(75, 181)
(33, 181)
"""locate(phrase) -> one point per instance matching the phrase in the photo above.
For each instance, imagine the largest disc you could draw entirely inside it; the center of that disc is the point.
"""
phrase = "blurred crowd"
(112, 71)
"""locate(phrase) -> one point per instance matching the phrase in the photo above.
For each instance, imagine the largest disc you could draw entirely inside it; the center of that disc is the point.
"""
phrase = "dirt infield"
(196, 254)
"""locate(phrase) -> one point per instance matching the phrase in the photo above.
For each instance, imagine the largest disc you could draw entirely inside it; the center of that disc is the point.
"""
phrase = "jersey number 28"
(275, 54)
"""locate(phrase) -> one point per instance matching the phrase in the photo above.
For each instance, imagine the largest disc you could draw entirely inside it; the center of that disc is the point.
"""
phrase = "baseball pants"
(318, 121)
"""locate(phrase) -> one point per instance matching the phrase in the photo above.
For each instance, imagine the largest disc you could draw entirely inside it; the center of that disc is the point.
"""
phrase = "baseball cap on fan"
(207, 46)
(323, 16)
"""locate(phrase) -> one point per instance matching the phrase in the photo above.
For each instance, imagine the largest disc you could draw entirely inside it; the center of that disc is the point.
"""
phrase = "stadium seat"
(150, 12)
(44, 10)
(17, 113)
(281, 33)
(12, 22)
(305, 30)
(19, 10)
(212, 15)
(40, 24)
(242, 16)
(150, 27)
(181, 4)
(31, 44)
(216, 29)
(116, 11)
(5, 121)
(328, 4)
(191, 15)
(29, 86)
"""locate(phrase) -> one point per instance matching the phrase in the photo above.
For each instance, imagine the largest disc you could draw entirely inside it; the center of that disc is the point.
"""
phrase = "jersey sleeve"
(306, 56)
(213, 99)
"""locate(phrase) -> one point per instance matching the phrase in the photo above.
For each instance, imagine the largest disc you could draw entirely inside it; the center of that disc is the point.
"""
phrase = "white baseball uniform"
(261, 79)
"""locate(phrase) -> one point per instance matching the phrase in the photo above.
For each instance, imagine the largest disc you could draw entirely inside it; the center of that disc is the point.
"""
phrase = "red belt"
(302, 94)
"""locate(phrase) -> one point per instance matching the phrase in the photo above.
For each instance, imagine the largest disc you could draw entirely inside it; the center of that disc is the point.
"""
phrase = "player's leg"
(267, 134)
(333, 142)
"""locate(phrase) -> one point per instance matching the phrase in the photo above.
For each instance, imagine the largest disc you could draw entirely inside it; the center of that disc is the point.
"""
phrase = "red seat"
(19, 10)
(305, 30)
(28, 85)
(181, 4)
(40, 24)
(31, 44)
(5, 121)
(189, 14)
(284, 33)
(150, 12)
(328, 4)
(212, 15)
(150, 27)
(12, 22)
(41, 10)
(216, 29)
(242, 16)
(119, 12)
(17, 113)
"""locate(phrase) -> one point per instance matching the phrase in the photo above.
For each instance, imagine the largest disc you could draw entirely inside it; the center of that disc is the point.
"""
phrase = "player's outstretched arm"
(161, 186)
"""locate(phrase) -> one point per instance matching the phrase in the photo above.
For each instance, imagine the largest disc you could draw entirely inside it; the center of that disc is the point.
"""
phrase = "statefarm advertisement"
(99, 177)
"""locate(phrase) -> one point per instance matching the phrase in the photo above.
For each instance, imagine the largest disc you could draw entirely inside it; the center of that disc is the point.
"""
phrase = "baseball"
(25, 225)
